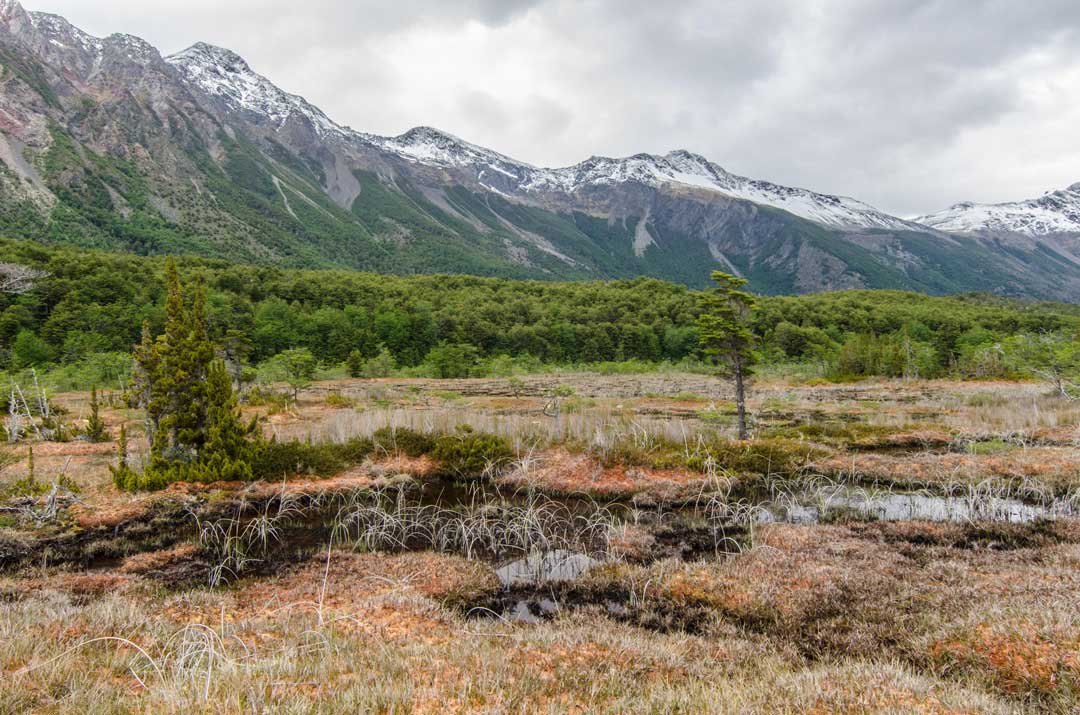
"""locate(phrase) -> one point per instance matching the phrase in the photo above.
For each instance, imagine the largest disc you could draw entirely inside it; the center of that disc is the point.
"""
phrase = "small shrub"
(273, 459)
(471, 454)
(95, 426)
(336, 399)
(28, 486)
(760, 456)
(405, 441)
(259, 396)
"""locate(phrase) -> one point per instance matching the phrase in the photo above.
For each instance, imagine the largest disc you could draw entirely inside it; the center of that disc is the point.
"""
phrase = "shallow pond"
(814, 507)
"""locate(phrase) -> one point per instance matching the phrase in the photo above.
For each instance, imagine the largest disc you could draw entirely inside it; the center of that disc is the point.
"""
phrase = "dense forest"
(86, 313)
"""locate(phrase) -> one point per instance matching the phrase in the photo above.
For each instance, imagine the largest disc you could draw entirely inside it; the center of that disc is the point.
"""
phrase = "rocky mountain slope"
(104, 142)
(1054, 213)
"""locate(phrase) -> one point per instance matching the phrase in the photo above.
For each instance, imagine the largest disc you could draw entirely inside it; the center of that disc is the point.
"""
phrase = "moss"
(759, 456)
(832, 432)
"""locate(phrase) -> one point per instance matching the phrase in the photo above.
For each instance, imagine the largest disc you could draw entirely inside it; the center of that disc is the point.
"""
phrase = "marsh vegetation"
(891, 546)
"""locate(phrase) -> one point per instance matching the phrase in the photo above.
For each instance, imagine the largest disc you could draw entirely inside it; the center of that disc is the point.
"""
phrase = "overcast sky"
(910, 105)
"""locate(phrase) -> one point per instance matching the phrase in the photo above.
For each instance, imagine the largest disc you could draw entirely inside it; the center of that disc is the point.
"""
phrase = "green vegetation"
(726, 339)
(192, 417)
(471, 454)
(299, 366)
(95, 426)
(79, 323)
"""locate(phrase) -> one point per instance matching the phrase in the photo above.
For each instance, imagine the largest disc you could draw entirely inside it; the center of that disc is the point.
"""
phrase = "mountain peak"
(135, 47)
(227, 77)
(423, 131)
(686, 154)
(428, 145)
(1054, 212)
(205, 53)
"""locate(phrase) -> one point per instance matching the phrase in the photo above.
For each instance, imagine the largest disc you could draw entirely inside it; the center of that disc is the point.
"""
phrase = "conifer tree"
(192, 412)
(146, 364)
(725, 335)
(180, 362)
(122, 447)
(124, 477)
(95, 426)
(355, 363)
(227, 448)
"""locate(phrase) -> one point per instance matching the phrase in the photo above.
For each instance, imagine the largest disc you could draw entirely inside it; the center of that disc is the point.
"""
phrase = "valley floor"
(877, 547)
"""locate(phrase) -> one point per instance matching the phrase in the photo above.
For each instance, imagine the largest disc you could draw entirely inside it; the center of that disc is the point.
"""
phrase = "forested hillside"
(90, 303)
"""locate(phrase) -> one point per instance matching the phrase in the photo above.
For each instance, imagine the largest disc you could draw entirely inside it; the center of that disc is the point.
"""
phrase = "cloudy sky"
(911, 105)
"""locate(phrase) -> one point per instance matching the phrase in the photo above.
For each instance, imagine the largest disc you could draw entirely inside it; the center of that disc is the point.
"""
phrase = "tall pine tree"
(178, 368)
(193, 419)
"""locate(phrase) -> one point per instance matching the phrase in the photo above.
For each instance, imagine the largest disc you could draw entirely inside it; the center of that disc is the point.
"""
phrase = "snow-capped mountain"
(501, 174)
(225, 76)
(1053, 213)
(104, 142)
(688, 169)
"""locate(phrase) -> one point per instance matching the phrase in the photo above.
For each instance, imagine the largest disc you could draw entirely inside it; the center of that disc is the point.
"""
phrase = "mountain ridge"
(104, 142)
(1055, 212)
(430, 145)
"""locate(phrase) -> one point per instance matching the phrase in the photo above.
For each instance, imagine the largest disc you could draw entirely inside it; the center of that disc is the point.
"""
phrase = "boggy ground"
(106, 607)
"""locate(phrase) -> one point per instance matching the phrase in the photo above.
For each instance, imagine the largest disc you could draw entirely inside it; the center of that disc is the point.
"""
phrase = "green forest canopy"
(96, 302)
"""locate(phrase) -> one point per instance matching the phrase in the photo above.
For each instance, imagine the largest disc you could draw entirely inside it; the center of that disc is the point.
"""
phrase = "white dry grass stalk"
(390, 519)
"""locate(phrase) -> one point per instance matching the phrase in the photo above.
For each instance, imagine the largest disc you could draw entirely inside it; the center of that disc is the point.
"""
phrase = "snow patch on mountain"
(430, 146)
(1053, 213)
(689, 169)
(434, 147)
(225, 75)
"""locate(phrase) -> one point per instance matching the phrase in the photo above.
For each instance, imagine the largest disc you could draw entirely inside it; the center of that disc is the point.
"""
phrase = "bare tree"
(17, 279)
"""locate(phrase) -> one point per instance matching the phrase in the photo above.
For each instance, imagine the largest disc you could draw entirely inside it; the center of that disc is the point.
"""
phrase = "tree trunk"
(740, 398)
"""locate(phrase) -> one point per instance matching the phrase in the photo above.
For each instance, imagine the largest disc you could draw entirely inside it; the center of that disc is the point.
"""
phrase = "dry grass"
(1006, 620)
(898, 618)
(559, 471)
(1053, 469)
(373, 638)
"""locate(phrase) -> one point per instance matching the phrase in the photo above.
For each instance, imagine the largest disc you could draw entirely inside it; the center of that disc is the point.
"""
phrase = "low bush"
(759, 456)
(405, 441)
(336, 399)
(835, 432)
(469, 454)
(273, 459)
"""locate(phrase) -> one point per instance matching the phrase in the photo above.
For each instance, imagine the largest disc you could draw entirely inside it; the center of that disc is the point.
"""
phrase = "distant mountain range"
(104, 142)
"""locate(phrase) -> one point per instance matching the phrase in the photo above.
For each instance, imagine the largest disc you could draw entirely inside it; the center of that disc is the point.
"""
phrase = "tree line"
(86, 306)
